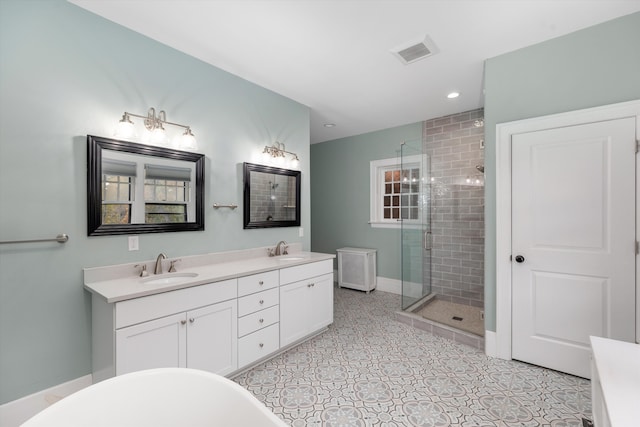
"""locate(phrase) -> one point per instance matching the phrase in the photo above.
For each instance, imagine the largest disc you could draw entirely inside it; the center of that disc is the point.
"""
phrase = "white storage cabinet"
(306, 300)
(357, 268)
(258, 317)
(193, 328)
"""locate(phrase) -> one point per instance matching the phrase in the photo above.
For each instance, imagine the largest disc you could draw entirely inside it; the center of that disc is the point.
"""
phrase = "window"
(166, 193)
(118, 184)
(395, 191)
(165, 201)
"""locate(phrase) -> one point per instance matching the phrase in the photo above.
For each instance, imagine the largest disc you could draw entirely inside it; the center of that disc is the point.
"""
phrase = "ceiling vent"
(409, 53)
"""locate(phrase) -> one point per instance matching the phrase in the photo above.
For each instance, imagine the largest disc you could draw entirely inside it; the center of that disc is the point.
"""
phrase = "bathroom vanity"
(220, 313)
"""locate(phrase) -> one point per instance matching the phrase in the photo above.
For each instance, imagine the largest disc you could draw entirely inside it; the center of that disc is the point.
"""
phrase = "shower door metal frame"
(409, 232)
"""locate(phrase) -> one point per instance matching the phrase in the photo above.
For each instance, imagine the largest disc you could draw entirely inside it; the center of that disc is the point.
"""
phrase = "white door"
(212, 338)
(159, 343)
(573, 241)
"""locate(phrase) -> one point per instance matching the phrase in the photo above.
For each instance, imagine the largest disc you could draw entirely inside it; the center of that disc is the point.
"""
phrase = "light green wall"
(596, 66)
(340, 194)
(66, 73)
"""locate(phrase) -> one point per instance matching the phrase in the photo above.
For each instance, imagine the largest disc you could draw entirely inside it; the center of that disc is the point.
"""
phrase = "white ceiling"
(334, 55)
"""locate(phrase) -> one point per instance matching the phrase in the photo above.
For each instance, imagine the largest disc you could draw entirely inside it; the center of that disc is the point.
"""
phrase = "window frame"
(377, 168)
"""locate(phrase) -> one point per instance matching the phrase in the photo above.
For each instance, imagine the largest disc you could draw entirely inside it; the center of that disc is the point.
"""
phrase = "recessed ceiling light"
(329, 125)
(453, 95)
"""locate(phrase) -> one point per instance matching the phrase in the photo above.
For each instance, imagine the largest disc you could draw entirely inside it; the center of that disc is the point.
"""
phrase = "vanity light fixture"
(277, 150)
(155, 124)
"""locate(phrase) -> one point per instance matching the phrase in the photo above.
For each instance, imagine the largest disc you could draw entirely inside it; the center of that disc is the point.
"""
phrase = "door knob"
(519, 258)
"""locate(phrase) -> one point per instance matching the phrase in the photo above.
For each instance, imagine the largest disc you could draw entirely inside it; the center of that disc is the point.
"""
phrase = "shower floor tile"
(370, 370)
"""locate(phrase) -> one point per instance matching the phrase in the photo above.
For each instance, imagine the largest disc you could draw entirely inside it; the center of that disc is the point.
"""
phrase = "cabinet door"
(294, 311)
(212, 338)
(321, 303)
(159, 343)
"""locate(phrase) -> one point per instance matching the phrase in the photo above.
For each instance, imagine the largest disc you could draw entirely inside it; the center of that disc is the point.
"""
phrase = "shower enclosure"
(442, 233)
(415, 216)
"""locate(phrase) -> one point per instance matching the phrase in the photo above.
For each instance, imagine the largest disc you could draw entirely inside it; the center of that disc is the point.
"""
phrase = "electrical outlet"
(300, 232)
(134, 244)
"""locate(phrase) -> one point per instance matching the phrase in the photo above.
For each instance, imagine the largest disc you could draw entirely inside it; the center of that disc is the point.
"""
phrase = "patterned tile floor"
(370, 370)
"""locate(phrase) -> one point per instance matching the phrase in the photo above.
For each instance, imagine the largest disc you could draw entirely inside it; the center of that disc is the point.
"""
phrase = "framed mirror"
(135, 188)
(271, 197)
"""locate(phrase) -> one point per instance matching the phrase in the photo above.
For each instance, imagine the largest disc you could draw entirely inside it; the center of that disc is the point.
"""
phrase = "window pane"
(160, 194)
(388, 189)
(158, 213)
(387, 200)
(414, 213)
(388, 176)
(415, 174)
(395, 213)
(396, 188)
(114, 213)
(387, 213)
(413, 200)
(414, 187)
(396, 175)
(404, 200)
(396, 200)
(405, 213)
(406, 173)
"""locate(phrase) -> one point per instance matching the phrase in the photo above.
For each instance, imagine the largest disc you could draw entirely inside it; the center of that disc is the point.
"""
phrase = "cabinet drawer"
(305, 271)
(257, 282)
(255, 302)
(258, 320)
(258, 345)
(151, 307)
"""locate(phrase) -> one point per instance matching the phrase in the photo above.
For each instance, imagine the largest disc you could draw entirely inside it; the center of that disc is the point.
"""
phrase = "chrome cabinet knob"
(261, 320)
(261, 301)
(183, 322)
(191, 320)
(261, 282)
(261, 345)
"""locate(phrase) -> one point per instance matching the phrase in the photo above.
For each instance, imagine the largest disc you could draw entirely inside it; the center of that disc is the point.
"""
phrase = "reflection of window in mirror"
(166, 194)
(118, 181)
(161, 196)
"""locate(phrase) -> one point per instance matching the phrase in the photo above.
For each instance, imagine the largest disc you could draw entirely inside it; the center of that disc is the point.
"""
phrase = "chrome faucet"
(158, 269)
(281, 248)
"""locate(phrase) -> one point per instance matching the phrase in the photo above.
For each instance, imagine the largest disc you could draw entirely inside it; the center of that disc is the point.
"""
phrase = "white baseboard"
(14, 413)
(490, 343)
(385, 284)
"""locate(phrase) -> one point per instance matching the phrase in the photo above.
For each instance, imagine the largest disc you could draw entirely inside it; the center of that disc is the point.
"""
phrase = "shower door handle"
(427, 240)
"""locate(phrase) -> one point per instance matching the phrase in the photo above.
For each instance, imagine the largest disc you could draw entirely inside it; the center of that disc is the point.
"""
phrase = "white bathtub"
(159, 397)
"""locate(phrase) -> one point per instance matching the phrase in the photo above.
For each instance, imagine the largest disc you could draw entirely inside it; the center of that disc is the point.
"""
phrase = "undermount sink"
(291, 258)
(169, 279)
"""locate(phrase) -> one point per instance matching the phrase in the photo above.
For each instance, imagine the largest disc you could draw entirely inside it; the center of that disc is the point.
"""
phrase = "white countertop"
(132, 286)
(618, 365)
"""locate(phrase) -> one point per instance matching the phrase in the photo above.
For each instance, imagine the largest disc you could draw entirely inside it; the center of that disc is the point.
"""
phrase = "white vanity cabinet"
(233, 315)
(306, 300)
(194, 327)
(258, 317)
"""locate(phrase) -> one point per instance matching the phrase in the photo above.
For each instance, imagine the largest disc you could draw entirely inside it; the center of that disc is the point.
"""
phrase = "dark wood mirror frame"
(248, 223)
(94, 187)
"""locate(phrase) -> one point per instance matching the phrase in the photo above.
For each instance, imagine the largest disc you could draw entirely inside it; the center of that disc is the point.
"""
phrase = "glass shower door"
(415, 214)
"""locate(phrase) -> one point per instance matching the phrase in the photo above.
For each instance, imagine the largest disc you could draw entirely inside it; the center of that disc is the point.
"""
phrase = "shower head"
(480, 168)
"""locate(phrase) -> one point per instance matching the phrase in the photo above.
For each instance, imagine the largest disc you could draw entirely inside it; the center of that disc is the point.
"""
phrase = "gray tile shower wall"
(454, 146)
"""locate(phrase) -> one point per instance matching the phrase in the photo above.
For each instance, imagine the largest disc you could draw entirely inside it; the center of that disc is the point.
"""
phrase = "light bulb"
(188, 141)
(158, 136)
(125, 128)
